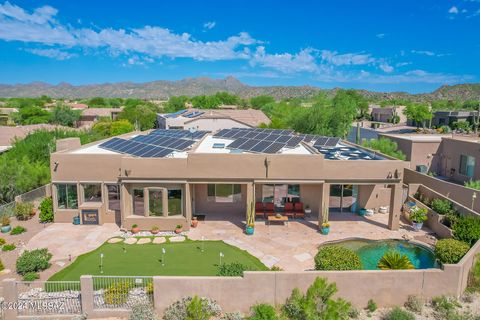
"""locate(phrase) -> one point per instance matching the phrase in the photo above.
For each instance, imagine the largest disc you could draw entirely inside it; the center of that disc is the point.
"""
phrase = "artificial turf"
(181, 259)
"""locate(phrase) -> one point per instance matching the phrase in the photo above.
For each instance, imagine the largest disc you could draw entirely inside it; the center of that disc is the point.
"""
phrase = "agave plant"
(394, 260)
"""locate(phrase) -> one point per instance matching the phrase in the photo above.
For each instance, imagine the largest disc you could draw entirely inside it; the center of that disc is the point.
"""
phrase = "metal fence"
(34, 194)
(112, 292)
(48, 298)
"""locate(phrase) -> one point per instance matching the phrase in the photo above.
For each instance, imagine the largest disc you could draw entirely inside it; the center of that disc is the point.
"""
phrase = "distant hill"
(163, 89)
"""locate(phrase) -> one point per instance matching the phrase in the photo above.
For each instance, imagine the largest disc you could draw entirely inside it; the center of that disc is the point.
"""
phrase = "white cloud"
(386, 67)
(304, 61)
(430, 53)
(381, 35)
(209, 25)
(346, 59)
(52, 53)
(453, 10)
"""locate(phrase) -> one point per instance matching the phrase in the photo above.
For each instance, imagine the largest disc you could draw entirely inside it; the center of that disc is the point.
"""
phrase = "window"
(113, 196)
(175, 202)
(67, 196)
(138, 202)
(224, 192)
(467, 165)
(280, 193)
(155, 202)
(92, 192)
(218, 145)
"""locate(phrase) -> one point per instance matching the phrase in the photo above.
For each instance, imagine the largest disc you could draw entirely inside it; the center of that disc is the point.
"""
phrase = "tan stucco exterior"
(378, 181)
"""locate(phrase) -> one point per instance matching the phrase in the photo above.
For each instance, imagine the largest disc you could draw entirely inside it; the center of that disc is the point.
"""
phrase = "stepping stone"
(270, 261)
(177, 239)
(115, 240)
(131, 241)
(302, 257)
(5, 271)
(60, 263)
(159, 240)
(144, 240)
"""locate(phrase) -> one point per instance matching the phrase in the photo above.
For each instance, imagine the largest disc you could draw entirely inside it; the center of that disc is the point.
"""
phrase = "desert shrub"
(143, 311)
(178, 310)
(445, 306)
(441, 206)
(353, 313)
(198, 309)
(18, 230)
(1, 265)
(23, 210)
(398, 314)
(317, 303)
(467, 229)
(232, 316)
(2, 241)
(450, 250)
(474, 184)
(117, 293)
(337, 258)
(371, 305)
(263, 311)
(46, 210)
(394, 260)
(8, 247)
(33, 261)
(474, 276)
(31, 276)
(233, 269)
(414, 304)
(276, 268)
(450, 219)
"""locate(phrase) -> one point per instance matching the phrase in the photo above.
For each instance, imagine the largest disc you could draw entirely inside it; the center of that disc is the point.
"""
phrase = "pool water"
(371, 251)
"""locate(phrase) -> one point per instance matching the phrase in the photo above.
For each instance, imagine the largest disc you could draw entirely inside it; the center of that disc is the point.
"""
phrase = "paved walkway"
(293, 248)
(64, 239)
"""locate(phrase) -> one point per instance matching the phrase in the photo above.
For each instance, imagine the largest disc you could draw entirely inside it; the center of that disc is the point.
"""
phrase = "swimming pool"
(371, 251)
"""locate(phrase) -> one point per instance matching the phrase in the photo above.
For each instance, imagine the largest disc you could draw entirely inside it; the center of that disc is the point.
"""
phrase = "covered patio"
(293, 247)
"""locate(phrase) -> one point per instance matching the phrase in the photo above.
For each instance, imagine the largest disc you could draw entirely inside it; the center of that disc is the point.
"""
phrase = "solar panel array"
(135, 148)
(326, 142)
(159, 143)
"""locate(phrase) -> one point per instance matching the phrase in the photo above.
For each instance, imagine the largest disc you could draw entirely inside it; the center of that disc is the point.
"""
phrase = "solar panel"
(262, 145)
(332, 142)
(283, 138)
(261, 136)
(321, 141)
(294, 141)
(274, 147)
(194, 114)
(235, 144)
(176, 114)
(249, 144)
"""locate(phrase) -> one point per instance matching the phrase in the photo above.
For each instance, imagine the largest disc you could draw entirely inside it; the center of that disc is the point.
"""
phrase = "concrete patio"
(293, 247)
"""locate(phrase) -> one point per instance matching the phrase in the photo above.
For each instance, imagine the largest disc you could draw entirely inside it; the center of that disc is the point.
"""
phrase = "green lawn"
(181, 259)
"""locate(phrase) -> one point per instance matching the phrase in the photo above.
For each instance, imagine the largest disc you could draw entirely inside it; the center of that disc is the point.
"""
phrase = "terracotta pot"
(178, 230)
(194, 222)
(33, 213)
(136, 230)
(154, 231)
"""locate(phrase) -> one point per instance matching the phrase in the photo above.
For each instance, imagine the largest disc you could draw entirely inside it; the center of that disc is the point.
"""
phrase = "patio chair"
(259, 210)
(299, 213)
(269, 209)
(289, 211)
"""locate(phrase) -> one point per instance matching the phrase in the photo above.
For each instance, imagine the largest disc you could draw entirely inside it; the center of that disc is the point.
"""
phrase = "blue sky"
(413, 46)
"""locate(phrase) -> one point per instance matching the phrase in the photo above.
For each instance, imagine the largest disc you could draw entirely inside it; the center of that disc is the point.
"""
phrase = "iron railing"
(112, 292)
(48, 298)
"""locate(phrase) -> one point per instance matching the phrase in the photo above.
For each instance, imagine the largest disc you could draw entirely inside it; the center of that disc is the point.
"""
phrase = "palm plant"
(394, 260)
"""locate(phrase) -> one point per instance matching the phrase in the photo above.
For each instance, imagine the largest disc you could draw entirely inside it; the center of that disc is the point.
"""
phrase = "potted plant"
(178, 229)
(308, 211)
(155, 230)
(194, 222)
(250, 229)
(418, 216)
(6, 224)
(135, 228)
(325, 228)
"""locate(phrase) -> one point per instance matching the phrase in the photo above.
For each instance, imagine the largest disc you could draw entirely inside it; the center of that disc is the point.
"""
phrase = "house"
(448, 118)
(454, 157)
(8, 134)
(212, 119)
(386, 114)
(91, 115)
(165, 177)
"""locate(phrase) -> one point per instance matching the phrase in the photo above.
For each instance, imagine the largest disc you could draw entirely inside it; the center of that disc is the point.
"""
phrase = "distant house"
(90, 115)
(447, 118)
(212, 119)
(380, 114)
(8, 133)
(78, 106)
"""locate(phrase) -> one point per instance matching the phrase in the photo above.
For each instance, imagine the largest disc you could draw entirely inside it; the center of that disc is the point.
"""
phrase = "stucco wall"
(450, 151)
(373, 196)
(202, 205)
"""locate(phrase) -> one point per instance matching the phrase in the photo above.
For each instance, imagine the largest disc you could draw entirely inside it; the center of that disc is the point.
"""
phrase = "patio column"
(395, 206)
(324, 204)
(250, 198)
(126, 208)
(188, 203)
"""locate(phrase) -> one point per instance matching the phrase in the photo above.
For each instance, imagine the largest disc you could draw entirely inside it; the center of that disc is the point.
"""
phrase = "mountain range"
(163, 89)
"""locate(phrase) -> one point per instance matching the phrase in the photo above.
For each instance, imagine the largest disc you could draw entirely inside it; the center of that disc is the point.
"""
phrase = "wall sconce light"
(127, 172)
(397, 174)
(389, 175)
(55, 166)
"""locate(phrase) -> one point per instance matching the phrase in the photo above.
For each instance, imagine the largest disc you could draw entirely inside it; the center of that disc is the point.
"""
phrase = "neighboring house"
(165, 177)
(454, 157)
(448, 118)
(385, 114)
(91, 115)
(9, 133)
(78, 106)
(212, 119)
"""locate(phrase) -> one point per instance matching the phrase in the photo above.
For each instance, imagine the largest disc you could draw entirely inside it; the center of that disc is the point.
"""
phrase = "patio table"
(283, 219)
